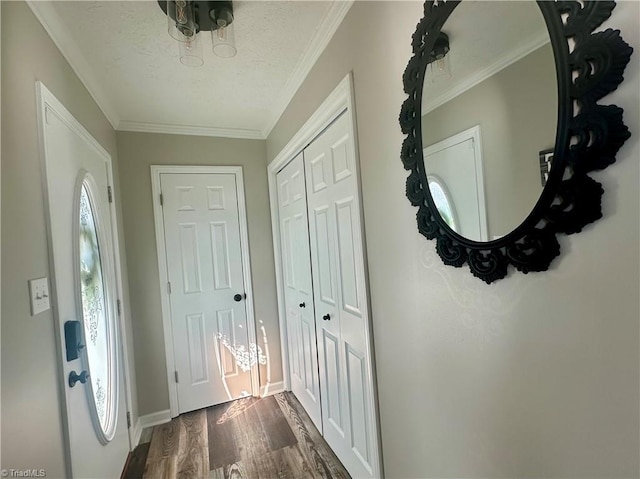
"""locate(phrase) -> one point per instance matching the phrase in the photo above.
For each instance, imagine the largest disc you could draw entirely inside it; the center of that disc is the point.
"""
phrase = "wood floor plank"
(193, 463)
(285, 463)
(251, 440)
(193, 430)
(298, 463)
(272, 420)
(165, 468)
(165, 441)
(221, 438)
(318, 454)
(230, 471)
(193, 448)
(136, 463)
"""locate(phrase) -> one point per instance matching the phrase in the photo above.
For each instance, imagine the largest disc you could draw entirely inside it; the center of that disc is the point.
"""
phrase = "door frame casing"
(340, 101)
(156, 171)
(47, 101)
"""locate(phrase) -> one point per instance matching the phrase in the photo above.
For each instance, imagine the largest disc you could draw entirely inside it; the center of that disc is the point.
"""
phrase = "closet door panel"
(300, 318)
(339, 289)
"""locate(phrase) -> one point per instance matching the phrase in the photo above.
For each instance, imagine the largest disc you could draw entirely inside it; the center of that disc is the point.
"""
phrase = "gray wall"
(31, 405)
(534, 376)
(136, 152)
(516, 109)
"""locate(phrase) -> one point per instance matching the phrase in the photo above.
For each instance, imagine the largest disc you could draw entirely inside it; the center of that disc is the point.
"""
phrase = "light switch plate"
(39, 293)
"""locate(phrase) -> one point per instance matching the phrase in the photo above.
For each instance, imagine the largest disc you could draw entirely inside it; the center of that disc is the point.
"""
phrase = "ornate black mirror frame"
(588, 137)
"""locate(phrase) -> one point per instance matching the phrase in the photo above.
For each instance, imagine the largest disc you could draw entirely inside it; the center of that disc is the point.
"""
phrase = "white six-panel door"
(212, 354)
(298, 292)
(340, 296)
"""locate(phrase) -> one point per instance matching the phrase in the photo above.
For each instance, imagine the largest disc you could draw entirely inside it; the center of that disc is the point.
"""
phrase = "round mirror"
(488, 113)
(489, 116)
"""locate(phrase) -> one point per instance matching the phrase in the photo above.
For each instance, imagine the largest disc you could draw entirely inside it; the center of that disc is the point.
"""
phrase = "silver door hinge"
(168, 287)
(128, 420)
(110, 194)
(119, 307)
(176, 375)
(161, 200)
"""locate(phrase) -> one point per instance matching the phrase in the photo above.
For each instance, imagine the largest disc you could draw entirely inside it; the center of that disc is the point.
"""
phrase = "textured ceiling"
(128, 51)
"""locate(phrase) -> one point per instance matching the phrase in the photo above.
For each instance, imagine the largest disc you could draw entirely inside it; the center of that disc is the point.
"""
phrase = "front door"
(298, 288)
(456, 182)
(78, 173)
(212, 354)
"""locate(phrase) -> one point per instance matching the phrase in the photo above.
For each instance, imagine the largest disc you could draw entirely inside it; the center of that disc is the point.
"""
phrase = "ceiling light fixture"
(439, 60)
(187, 18)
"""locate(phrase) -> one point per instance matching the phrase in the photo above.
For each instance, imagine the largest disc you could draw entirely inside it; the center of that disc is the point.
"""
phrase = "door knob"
(75, 377)
(303, 305)
(239, 297)
(326, 317)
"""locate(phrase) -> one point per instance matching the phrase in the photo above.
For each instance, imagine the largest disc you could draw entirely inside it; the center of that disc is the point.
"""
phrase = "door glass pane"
(443, 201)
(96, 317)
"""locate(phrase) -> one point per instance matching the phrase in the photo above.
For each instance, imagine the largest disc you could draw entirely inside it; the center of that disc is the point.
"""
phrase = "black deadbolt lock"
(73, 339)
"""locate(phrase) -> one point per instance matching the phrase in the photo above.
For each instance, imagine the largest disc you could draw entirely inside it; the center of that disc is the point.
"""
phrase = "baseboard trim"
(154, 419)
(137, 432)
(270, 389)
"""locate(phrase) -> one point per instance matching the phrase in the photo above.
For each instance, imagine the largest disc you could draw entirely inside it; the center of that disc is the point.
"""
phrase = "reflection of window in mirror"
(443, 201)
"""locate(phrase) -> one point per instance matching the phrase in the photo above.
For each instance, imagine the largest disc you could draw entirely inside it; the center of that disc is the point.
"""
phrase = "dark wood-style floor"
(267, 438)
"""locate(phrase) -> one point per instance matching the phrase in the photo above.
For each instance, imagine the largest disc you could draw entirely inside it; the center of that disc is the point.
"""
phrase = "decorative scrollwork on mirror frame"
(588, 137)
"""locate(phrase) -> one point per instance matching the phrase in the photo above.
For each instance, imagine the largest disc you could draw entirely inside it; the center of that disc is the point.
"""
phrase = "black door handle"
(75, 377)
(303, 305)
(239, 297)
(327, 317)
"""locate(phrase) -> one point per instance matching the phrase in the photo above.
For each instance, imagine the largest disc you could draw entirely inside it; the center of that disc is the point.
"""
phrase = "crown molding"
(501, 63)
(319, 42)
(142, 127)
(58, 34)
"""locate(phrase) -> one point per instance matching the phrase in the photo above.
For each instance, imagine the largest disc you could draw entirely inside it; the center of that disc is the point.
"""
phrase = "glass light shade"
(181, 18)
(191, 52)
(440, 69)
(224, 41)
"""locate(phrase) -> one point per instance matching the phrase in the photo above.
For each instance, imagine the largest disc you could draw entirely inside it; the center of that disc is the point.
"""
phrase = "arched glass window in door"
(443, 201)
(98, 315)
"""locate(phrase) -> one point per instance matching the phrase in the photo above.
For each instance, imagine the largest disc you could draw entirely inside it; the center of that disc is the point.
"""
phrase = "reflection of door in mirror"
(454, 166)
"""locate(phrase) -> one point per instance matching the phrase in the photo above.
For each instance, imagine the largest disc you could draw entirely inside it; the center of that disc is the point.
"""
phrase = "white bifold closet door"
(298, 292)
(340, 297)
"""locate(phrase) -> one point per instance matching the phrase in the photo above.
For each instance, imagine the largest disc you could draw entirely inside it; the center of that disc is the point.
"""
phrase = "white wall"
(31, 405)
(534, 376)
